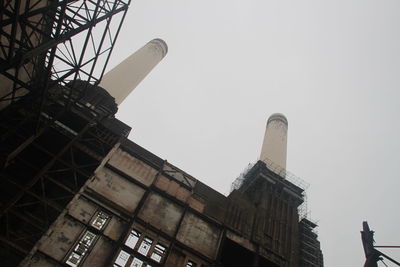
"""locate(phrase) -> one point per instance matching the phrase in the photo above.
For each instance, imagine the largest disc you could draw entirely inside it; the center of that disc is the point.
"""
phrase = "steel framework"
(49, 42)
(51, 136)
(40, 180)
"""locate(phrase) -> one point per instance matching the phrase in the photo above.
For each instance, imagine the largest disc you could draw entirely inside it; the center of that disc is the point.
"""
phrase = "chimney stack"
(122, 79)
(273, 151)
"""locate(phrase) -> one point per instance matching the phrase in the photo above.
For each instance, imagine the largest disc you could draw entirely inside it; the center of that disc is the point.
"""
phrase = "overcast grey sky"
(332, 67)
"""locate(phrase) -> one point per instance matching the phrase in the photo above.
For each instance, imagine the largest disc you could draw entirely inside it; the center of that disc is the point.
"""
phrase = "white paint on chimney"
(274, 147)
(122, 79)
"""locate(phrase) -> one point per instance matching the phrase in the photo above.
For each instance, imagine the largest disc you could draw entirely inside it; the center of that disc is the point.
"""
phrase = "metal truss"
(49, 42)
(50, 140)
(40, 180)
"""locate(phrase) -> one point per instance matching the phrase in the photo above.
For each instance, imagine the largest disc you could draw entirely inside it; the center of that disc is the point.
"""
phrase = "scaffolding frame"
(284, 174)
(46, 173)
(49, 42)
(51, 141)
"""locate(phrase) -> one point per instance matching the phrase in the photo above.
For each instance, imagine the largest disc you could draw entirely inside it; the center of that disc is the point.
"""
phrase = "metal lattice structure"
(56, 125)
(282, 172)
(49, 42)
(47, 170)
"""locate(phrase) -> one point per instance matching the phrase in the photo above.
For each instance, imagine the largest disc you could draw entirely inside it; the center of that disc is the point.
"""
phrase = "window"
(145, 246)
(132, 239)
(82, 246)
(158, 252)
(80, 249)
(74, 259)
(87, 239)
(136, 263)
(122, 258)
(100, 219)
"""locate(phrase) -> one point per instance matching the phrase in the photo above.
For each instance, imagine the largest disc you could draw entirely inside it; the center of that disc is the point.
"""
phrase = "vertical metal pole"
(371, 255)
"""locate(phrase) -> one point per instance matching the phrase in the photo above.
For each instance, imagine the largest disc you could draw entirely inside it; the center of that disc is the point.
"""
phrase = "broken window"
(158, 252)
(145, 246)
(132, 239)
(100, 219)
(80, 249)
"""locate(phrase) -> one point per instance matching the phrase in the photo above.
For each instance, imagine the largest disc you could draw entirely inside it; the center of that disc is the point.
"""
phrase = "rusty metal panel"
(161, 213)
(98, 256)
(175, 258)
(196, 204)
(114, 228)
(62, 236)
(245, 242)
(38, 260)
(162, 182)
(133, 167)
(183, 194)
(215, 203)
(199, 235)
(173, 188)
(117, 189)
(240, 214)
(82, 209)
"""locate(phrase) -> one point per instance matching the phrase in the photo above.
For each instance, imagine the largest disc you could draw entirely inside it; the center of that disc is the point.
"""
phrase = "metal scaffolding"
(284, 174)
(43, 172)
(49, 42)
(55, 125)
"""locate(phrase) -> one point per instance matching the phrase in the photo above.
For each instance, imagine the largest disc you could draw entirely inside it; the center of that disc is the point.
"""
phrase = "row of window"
(145, 246)
(138, 242)
(126, 259)
(80, 250)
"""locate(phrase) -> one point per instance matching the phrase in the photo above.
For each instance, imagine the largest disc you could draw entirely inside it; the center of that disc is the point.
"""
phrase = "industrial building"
(75, 191)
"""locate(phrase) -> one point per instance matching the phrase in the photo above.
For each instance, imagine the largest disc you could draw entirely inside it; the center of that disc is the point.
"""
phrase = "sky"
(332, 67)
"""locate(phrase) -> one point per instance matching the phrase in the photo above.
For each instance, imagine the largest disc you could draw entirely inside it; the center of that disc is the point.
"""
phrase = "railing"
(282, 172)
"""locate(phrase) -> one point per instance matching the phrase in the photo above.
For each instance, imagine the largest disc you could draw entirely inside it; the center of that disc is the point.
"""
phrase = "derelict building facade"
(139, 210)
(84, 195)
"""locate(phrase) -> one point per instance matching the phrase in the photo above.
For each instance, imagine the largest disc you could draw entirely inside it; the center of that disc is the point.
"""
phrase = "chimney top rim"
(162, 44)
(277, 117)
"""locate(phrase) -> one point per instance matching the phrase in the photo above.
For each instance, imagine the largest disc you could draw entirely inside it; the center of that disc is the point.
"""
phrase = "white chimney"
(273, 151)
(122, 79)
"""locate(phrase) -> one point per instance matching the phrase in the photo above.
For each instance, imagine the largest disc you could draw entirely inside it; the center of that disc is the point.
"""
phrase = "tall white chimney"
(273, 151)
(122, 79)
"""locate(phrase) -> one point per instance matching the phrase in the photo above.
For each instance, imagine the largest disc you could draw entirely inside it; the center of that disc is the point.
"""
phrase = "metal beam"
(42, 172)
(13, 245)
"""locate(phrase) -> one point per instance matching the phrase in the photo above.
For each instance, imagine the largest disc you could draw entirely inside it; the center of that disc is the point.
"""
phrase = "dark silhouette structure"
(47, 115)
(373, 255)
